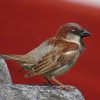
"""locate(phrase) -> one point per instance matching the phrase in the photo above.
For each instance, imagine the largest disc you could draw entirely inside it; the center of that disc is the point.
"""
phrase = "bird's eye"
(75, 31)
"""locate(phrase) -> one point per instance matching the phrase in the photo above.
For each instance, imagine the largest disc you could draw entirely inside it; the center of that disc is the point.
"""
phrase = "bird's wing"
(58, 57)
(39, 51)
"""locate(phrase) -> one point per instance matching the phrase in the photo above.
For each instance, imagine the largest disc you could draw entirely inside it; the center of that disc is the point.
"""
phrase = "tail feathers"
(10, 57)
(6, 56)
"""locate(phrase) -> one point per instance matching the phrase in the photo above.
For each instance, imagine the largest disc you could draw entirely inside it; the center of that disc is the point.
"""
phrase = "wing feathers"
(59, 56)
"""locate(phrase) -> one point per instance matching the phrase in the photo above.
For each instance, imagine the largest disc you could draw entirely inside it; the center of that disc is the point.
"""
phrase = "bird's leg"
(49, 82)
(68, 88)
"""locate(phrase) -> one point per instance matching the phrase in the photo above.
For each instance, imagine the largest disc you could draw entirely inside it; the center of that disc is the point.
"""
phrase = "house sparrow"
(56, 55)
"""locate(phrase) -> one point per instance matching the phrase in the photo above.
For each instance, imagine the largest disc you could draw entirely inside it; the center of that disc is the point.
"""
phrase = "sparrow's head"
(72, 29)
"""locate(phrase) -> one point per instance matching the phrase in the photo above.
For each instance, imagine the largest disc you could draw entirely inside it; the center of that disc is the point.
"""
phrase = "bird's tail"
(13, 57)
(10, 57)
(21, 59)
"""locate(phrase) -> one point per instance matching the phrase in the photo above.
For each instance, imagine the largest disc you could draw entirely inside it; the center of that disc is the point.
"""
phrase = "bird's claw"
(69, 88)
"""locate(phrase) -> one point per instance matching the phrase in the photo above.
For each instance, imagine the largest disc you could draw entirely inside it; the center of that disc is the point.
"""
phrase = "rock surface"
(9, 91)
(4, 73)
(27, 92)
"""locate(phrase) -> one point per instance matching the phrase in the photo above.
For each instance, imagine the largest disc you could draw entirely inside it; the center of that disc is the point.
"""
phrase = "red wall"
(24, 24)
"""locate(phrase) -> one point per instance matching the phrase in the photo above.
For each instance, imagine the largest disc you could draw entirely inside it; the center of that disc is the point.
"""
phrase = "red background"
(24, 24)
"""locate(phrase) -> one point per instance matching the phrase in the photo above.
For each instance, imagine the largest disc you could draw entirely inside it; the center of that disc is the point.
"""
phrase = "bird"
(55, 56)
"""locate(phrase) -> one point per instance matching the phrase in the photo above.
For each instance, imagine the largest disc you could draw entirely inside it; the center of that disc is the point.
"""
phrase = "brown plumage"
(54, 56)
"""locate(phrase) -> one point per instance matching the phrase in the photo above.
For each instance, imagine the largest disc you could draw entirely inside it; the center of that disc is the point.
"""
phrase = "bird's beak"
(85, 34)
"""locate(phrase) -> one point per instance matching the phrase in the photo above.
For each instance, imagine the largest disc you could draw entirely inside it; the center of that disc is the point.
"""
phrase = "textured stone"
(29, 92)
(4, 73)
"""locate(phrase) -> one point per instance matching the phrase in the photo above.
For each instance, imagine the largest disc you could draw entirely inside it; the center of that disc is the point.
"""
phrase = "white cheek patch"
(72, 40)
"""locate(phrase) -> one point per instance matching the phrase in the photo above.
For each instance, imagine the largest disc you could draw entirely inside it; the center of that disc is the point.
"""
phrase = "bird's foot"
(67, 87)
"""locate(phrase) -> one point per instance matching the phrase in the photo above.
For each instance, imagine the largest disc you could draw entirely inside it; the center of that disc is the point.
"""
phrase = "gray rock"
(4, 73)
(35, 92)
